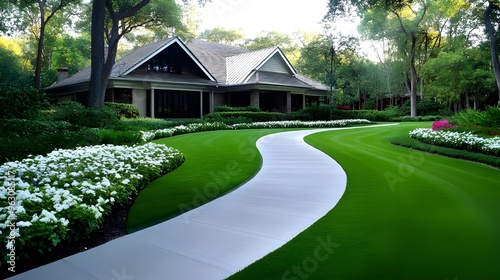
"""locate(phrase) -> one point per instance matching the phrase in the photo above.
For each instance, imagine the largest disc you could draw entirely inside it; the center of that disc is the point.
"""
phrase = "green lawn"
(216, 162)
(405, 215)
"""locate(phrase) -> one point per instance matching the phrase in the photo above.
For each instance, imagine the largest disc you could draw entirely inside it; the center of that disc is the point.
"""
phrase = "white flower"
(23, 224)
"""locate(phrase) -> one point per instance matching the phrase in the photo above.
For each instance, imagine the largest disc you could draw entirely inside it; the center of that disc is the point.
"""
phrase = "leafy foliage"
(124, 110)
(24, 102)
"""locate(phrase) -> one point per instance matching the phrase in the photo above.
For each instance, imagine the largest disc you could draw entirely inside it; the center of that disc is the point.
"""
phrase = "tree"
(114, 19)
(321, 59)
(269, 39)
(491, 16)
(223, 36)
(40, 12)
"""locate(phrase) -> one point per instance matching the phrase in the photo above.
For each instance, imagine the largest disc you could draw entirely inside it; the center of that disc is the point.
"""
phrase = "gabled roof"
(128, 63)
(241, 67)
(213, 56)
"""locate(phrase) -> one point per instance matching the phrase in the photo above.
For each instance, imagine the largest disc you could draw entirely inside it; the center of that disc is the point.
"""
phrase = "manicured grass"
(216, 162)
(405, 215)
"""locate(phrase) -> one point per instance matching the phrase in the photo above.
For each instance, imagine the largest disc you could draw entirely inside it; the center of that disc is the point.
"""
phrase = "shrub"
(124, 110)
(225, 108)
(88, 117)
(22, 103)
(20, 138)
(482, 122)
(66, 194)
(108, 136)
(395, 111)
(371, 115)
(312, 113)
(441, 125)
(430, 107)
(231, 117)
(417, 119)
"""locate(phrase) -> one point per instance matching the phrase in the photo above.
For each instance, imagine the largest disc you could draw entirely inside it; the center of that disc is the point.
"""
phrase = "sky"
(255, 16)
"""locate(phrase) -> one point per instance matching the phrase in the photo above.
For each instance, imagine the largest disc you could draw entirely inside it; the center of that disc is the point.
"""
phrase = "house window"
(123, 95)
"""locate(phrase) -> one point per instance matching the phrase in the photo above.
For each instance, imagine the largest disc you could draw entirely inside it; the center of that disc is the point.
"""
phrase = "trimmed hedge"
(245, 117)
(225, 108)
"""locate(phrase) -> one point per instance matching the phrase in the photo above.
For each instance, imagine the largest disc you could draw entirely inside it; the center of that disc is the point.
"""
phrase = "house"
(172, 79)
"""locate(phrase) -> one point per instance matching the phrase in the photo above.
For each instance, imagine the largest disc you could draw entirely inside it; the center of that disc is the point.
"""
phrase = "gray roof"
(239, 67)
(223, 64)
(213, 56)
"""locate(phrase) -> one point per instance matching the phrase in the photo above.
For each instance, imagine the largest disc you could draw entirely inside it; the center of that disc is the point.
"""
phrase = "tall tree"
(491, 17)
(44, 10)
(111, 20)
(268, 39)
(322, 58)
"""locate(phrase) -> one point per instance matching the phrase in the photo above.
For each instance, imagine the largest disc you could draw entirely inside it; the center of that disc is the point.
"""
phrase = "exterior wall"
(219, 99)
(255, 98)
(139, 100)
(288, 102)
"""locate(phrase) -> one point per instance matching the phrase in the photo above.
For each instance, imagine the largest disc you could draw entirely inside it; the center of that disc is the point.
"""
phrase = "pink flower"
(441, 125)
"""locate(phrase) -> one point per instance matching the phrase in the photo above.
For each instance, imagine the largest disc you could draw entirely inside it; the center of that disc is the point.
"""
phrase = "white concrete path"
(296, 186)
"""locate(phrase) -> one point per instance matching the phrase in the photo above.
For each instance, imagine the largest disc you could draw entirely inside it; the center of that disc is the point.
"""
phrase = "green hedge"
(78, 115)
(23, 103)
(20, 138)
(245, 117)
(124, 110)
(225, 108)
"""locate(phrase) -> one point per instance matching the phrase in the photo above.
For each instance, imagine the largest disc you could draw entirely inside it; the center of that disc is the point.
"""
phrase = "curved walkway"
(296, 186)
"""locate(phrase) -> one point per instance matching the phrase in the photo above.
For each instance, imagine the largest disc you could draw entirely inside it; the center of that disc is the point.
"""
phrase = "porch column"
(212, 101)
(201, 104)
(255, 98)
(303, 101)
(288, 102)
(152, 102)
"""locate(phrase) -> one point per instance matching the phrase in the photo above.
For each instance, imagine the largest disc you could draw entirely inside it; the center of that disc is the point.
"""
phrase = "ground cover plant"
(66, 194)
(405, 215)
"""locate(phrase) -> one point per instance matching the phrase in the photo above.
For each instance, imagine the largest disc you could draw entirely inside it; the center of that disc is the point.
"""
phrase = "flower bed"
(197, 127)
(299, 124)
(458, 140)
(65, 194)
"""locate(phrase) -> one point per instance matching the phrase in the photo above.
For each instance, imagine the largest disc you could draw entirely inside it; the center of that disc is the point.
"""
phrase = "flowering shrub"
(65, 194)
(299, 124)
(441, 125)
(181, 129)
(458, 140)
(197, 127)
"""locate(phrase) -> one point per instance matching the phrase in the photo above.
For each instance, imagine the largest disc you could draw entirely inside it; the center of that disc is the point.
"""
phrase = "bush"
(22, 103)
(430, 107)
(313, 113)
(20, 138)
(371, 115)
(124, 110)
(78, 115)
(417, 119)
(231, 117)
(482, 122)
(225, 108)
(108, 136)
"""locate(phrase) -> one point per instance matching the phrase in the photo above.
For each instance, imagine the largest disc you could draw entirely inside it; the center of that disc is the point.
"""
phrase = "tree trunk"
(96, 87)
(39, 53)
(490, 29)
(413, 77)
